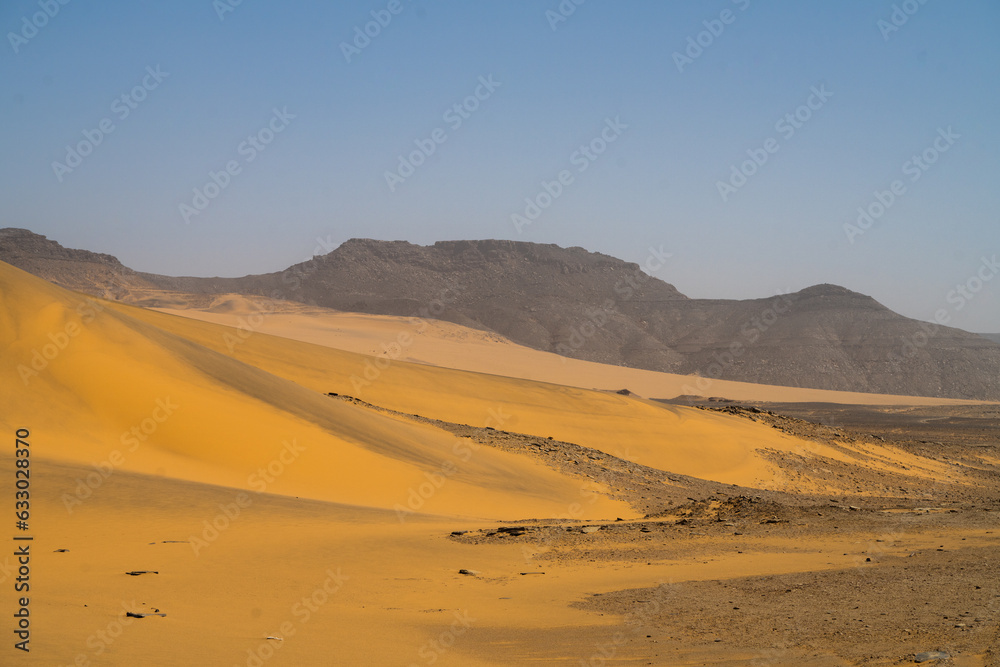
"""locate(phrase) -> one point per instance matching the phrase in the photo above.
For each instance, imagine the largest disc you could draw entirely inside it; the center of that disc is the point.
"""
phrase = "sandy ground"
(469, 516)
(445, 344)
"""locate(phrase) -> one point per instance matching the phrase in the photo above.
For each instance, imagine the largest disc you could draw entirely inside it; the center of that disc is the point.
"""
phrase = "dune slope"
(96, 385)
(198, 471)
(677, 439)
(441, 343)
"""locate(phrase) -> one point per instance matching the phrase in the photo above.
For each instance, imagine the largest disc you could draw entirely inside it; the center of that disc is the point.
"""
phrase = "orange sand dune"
(677, 439)
(168, 395)
(95, 385)
(450, 345)
(273, 525)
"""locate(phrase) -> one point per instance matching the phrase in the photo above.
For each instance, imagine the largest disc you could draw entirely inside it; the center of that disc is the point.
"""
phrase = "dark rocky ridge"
(81, 270)
(590, 306)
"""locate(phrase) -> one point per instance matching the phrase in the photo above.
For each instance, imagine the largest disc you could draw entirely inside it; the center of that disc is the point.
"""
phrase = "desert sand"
(461, 501)
(440, 343)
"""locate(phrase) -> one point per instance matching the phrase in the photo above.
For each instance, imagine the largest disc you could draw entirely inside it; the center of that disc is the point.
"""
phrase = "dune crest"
(120, 392)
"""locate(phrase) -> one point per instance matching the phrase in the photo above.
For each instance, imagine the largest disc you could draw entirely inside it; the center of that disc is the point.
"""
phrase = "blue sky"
(555, 86)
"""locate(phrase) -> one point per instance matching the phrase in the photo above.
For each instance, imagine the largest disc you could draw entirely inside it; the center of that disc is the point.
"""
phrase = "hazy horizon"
(612, 119)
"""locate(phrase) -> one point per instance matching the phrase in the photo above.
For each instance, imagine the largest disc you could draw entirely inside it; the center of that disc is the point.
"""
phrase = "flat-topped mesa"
(497, 256)
(591, 306)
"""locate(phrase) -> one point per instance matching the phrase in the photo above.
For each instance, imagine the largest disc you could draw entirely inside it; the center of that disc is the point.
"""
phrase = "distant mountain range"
(589, 306)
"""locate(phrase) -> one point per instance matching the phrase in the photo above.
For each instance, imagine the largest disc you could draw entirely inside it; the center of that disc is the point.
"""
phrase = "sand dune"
(671, 438)
(273, 524)
(440, 343)
(161, 394)
(122, 393)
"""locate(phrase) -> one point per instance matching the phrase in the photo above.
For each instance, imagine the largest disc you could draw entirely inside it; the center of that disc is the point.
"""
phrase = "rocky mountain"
(81, 270)
(591, 306)
(993, 337)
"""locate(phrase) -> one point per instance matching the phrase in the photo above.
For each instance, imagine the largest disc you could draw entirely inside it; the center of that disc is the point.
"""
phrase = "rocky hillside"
(592, 306)
(81, 270)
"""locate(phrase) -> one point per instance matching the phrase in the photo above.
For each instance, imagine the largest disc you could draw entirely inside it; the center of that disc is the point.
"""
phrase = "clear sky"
(669, 100)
